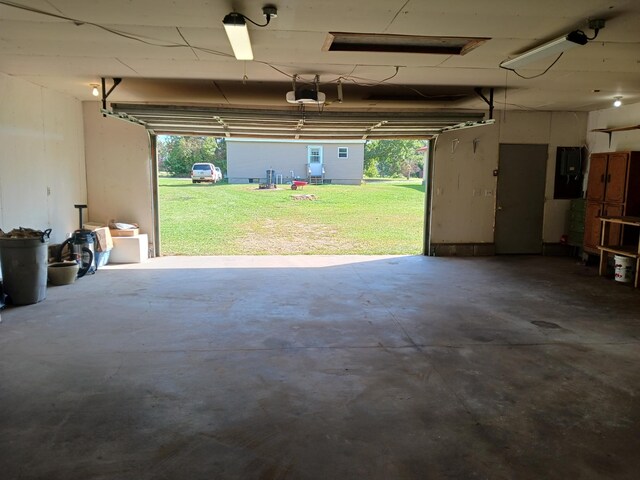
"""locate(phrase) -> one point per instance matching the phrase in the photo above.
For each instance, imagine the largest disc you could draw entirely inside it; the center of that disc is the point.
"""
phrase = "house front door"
(314, 158)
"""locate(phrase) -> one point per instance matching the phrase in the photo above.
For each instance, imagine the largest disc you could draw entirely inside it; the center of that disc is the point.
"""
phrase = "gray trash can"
(24, 268)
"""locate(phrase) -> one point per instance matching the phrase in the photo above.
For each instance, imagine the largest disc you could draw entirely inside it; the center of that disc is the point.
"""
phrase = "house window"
(343, 152)
(315, 154)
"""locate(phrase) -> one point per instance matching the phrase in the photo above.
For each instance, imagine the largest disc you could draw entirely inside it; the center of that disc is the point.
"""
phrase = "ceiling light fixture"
(238, 34)
(617, 101)
(554, 47)
(235, 24)
(94, 90)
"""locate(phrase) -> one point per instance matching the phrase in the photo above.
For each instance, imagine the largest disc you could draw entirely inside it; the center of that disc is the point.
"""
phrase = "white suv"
(204, 172)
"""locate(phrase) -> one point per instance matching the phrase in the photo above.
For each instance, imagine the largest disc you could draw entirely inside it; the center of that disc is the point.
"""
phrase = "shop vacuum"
(81, 245)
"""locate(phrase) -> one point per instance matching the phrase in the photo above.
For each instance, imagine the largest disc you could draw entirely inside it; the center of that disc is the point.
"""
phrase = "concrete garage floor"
(324, 368)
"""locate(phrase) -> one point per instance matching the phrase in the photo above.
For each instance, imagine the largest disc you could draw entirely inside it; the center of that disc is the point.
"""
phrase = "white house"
(326, 161)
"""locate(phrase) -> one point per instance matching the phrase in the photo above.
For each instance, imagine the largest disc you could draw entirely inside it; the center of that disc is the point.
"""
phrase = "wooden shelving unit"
(613, 130)
(613, 190)
(627, 251)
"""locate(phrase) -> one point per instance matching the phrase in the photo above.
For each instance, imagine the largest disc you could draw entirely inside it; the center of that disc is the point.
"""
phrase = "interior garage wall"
(557, 129)
(118, 170)
(614, 117)
(464, 188)
(42, 169)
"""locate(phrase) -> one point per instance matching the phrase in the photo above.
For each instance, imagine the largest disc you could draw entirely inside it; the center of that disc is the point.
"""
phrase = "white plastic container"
(130, 249)
(623, 268)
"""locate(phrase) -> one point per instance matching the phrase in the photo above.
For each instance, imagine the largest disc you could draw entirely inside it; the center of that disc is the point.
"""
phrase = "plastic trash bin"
(24, 268)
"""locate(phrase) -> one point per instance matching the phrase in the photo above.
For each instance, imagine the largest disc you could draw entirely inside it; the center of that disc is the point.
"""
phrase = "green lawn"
(377, 218)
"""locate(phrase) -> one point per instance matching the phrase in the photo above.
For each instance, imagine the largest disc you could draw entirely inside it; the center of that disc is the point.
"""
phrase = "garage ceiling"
(167, 53)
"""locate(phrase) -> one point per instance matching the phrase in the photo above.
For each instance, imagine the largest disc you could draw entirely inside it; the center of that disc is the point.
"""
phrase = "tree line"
(382, 158)
(176, 154)
(393, 158)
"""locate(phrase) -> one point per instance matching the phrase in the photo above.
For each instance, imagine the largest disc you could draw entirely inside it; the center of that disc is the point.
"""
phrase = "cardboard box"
(103, 239)
(130, 249)
(128, 232)
(92, 225)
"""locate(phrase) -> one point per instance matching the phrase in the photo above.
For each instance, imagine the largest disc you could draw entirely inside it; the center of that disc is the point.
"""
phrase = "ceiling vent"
(377, 42)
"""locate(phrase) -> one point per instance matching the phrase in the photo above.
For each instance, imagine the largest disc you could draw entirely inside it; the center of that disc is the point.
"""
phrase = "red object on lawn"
(297, 184)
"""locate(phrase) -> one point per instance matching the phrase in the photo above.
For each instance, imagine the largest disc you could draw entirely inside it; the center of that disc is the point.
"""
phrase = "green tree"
(178, 154)
(221, 155)
(165, 146)
(393, 158)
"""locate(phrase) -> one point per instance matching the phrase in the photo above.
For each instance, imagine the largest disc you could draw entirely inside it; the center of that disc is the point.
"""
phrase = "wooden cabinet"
(593, 225)
(613, 189)
(597, 176)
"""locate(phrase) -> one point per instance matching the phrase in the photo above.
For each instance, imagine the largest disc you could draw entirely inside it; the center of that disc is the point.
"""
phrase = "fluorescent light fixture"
(617, 102)
(554, 47)
(238, 34)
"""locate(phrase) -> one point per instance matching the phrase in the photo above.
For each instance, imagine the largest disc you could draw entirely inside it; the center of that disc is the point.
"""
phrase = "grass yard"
(377, 218)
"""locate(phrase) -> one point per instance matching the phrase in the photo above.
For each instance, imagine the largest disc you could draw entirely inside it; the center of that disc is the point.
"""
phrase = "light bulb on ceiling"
(94, 91)
(617, 101)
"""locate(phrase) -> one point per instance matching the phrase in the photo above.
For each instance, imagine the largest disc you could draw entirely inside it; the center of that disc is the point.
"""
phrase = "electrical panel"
(570, 159)
(569, 172)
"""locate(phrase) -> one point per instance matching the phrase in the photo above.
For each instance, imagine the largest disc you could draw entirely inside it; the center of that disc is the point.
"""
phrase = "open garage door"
(300, 124)
(293, 123)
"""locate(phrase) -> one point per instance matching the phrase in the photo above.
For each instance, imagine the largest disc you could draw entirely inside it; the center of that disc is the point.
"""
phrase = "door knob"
(499, 207)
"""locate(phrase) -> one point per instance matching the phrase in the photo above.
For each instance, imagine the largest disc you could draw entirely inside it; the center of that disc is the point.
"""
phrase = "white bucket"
(623, 268)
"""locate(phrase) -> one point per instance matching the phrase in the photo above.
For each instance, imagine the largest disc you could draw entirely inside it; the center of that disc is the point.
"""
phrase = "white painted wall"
(42, 169)
(250, 159)
(557, 129)
(463, 209)
(118, 170)
(614, 117)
